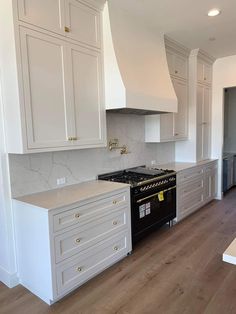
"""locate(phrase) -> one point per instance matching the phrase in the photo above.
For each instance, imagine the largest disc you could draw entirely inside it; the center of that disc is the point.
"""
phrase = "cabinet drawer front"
(79, 215)
(192, 202)
(190, 187)
(79, 239)
(189, 174)
(91, 262)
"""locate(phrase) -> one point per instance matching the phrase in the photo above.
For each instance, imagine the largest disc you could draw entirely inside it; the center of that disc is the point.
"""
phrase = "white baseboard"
(10, 280)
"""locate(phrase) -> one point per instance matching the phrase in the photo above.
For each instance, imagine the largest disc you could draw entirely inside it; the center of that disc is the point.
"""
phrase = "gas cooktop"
(136, 176)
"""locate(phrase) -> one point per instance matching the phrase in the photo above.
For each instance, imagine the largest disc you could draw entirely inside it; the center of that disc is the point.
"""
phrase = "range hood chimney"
(137, 78)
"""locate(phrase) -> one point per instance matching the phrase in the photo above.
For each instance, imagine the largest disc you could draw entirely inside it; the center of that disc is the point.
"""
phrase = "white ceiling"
(187, 22)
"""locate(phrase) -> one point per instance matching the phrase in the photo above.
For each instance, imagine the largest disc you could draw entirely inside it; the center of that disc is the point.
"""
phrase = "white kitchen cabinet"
(59, 249)
(159, 128)
(172, 126)
(178, 64)
(204, 72)
(86, 85)
(196, 187)
(63, 92)
(210, 179)
(203, 121)
(77, 20)
(58, 85)
(181, 117)
(49, 15)
(47, 104)
(82, 23)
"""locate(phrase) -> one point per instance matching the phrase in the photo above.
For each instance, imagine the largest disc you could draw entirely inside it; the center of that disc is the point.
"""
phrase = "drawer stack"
(60, 248)
(89, 238)
(195, 187)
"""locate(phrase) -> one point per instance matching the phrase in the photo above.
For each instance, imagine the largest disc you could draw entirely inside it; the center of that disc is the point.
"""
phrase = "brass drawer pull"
(176, 72)
(77, 240)
(67, 29)
(114, 223)
(77, 215)
(114, 202)
(79, 269)
(69, 138)
(74, 138)
(116, 248)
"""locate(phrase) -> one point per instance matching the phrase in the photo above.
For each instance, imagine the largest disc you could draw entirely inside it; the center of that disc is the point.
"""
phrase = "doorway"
(229, 142)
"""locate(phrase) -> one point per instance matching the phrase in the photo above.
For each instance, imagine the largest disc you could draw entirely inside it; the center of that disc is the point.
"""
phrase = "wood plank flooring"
(173, 271)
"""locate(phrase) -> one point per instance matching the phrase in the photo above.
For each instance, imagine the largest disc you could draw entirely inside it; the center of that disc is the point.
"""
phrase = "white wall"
(7, 248)
(224, 75)
(229, 121)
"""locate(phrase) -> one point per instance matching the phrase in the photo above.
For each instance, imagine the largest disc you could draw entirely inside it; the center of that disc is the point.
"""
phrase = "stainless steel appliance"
(153, 197)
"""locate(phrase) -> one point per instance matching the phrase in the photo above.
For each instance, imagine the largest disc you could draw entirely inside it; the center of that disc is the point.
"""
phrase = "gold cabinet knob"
(176, 72)
(114, 202)
(77, 215)
(116, 248)
(204, 78)
(67, 29)
(79, 269)
(77, 240)
(114, 222)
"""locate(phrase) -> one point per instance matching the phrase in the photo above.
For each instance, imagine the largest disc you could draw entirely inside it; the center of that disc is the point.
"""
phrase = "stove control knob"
(141, 189)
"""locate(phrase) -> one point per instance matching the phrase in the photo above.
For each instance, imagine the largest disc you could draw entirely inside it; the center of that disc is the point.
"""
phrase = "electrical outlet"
(61, 181)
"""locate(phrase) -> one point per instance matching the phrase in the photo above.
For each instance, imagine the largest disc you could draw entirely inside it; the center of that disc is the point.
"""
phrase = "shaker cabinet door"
(87, 90)
(47, 14)
(181, 117)
(83, 23)
(45, 91)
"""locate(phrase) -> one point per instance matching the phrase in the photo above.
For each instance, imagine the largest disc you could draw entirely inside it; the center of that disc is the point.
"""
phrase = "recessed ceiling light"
(213, 12)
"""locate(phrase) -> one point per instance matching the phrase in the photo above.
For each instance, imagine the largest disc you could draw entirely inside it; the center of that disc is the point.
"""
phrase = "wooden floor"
(177, 270)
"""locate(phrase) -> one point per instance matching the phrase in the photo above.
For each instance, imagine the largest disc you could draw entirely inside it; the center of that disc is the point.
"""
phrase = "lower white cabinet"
(60, 249)
(195, 187)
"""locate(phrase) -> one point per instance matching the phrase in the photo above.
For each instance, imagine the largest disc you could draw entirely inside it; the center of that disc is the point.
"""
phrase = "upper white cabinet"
(203, 121)
(85, 84)
(172, 126)
(178, 64)
(74, 19)
(181, 117)
(82, 23)
(59, 96)
(204, 72)
(47, 14)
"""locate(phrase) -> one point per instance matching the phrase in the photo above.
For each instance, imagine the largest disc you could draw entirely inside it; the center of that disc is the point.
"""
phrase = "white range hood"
(137, 78)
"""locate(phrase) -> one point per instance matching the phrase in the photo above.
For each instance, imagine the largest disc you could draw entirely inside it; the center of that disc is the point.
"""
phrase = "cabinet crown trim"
(202, 55)
(176, 46)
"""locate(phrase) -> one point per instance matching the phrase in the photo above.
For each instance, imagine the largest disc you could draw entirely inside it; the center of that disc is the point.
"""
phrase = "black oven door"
(152, 209)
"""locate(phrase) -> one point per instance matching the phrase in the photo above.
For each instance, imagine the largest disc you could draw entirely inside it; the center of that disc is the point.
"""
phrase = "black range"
(153, 197)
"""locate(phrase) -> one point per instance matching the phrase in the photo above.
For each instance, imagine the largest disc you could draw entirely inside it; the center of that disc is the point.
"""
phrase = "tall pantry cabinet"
(57, 101)
(200, 94)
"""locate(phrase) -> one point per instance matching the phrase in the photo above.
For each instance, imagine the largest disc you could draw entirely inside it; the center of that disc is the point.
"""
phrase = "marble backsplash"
(38, 172)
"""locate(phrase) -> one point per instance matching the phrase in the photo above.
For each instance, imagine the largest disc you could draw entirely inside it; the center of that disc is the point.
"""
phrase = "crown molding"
(176, 46)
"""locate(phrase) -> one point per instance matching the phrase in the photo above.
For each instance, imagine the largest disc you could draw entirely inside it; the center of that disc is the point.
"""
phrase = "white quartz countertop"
(71, 194)
(179, 166)
(229, 255)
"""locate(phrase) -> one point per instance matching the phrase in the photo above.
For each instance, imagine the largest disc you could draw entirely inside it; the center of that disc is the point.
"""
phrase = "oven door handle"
(150, 196)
